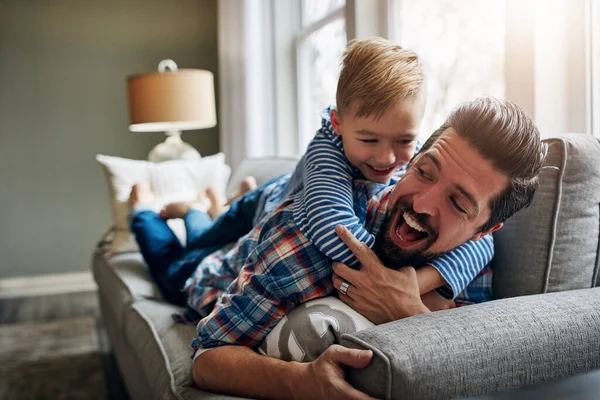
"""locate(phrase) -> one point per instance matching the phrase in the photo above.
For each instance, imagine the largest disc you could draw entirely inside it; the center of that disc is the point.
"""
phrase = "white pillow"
(177, 180)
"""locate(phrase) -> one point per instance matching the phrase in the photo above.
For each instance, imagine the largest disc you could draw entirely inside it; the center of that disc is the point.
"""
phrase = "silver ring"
(344, 288)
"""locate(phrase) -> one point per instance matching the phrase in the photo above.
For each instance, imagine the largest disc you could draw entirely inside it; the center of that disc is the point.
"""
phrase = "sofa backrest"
(555, 243)
(262, 169)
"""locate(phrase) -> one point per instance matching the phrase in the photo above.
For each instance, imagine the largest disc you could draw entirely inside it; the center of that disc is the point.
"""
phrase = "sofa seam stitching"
(555, 217)
(382, 355)
(597, 266)
(162, 350)
(134, 297)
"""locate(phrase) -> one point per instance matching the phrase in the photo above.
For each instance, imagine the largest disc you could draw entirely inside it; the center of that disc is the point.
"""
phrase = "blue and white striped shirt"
(322, 187)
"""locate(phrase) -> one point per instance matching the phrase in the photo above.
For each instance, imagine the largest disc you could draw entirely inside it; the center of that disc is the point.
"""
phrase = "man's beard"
(395, 257)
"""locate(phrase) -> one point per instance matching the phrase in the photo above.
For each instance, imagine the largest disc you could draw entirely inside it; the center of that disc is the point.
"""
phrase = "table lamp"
(171, 101)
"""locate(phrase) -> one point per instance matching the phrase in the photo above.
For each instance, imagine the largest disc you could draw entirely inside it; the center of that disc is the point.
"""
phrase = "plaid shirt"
(277, 268)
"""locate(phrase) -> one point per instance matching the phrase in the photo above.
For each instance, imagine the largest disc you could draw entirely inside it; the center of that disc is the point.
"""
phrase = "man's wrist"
(416, 308)
(421, 309)
(293, 379)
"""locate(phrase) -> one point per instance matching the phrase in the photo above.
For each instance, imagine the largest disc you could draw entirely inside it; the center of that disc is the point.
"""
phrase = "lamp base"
(173, 148)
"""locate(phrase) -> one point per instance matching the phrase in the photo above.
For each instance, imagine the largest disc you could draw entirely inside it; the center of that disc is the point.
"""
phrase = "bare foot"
(218, 202)
(178, 209)
(247, 184)
(141, 194)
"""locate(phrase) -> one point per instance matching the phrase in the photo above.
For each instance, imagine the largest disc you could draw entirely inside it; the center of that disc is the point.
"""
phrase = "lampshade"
(173, 100)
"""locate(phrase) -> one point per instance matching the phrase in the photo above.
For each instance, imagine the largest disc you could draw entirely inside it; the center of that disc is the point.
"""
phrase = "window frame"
(363, 18)
(301, 44)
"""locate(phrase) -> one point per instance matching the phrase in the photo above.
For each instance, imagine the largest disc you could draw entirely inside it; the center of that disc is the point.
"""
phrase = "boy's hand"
(436, 302)
(379, 293)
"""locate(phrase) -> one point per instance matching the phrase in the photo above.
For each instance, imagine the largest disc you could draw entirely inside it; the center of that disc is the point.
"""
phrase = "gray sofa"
(545, 323)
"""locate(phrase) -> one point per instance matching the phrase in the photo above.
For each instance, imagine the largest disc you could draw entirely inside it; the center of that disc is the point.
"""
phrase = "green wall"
(63, 65)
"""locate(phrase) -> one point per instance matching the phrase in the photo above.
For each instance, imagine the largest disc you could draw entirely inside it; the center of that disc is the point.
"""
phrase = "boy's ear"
(336, 121)
(482, 234)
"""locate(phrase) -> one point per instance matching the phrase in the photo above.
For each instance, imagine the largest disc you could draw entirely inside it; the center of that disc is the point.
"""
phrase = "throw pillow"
(309, 329)
(177, 180)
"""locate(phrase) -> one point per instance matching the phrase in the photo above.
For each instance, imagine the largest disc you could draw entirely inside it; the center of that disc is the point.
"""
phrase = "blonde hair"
(377, 74)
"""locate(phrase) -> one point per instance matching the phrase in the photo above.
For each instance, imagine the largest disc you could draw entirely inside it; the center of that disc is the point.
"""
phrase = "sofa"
(543, 324)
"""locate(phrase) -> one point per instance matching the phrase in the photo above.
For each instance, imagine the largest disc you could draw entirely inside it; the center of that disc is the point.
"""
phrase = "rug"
(52, 360)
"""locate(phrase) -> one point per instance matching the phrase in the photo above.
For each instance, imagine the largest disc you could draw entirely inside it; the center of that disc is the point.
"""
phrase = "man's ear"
(336, 121)
(484, 233)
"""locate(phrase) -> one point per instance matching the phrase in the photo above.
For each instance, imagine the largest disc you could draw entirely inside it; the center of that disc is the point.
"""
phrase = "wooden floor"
(47, 307)
(52, 307)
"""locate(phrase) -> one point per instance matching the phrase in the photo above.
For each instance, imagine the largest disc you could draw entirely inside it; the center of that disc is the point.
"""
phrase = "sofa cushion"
(122, 279)
(262, 169)
(163, 346)
(553, 245)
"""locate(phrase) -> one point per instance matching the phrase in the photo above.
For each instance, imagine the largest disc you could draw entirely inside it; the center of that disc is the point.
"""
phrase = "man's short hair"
(377, 74)
(505, 135)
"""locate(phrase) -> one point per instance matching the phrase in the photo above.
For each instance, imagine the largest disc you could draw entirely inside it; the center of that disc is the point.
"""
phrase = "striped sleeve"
(478, 291)
(461, 265)
(328, 200)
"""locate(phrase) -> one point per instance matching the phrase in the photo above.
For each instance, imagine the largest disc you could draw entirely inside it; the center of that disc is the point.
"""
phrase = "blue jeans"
(170, 263)
(228, 227)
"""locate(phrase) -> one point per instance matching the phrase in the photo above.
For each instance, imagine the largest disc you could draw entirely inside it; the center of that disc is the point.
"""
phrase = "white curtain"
(246, 84)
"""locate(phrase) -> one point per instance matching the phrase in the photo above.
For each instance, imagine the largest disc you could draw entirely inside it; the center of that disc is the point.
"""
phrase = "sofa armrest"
(482, 348)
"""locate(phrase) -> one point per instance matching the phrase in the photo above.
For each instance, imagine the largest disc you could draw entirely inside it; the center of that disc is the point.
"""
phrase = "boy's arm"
(328, 200)
(429, 279)
(460, 266)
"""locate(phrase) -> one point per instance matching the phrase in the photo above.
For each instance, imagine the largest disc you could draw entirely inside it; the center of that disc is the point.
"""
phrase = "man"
(474, 172)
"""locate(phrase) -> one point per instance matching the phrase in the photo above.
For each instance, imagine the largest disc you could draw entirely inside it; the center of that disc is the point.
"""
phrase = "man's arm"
(238, 370)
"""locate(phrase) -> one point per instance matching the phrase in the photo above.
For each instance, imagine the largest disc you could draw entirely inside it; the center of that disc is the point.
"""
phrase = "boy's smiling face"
(379, 146)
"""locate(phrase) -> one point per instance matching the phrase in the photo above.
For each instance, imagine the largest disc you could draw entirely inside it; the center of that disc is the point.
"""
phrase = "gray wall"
(63, 65)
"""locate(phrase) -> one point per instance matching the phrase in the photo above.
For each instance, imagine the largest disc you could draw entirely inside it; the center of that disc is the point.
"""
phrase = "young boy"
(372, 135)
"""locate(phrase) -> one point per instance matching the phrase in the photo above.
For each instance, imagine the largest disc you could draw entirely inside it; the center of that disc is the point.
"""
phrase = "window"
(531, 52)
(461, 44)
(320, 42)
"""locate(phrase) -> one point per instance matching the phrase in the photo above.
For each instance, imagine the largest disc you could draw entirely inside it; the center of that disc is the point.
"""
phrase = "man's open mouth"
(409, 232)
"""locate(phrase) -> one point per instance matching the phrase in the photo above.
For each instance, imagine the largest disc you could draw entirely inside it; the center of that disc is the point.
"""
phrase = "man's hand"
(240, 371)
(379, 293)
(324, 377)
